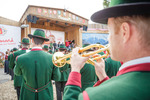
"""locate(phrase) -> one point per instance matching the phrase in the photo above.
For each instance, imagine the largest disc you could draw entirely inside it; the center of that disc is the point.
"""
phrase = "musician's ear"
(125, 29)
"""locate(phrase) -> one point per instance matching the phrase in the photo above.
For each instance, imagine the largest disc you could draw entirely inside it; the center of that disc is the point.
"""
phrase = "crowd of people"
(53, 47)
(30, 75)
(126, 78)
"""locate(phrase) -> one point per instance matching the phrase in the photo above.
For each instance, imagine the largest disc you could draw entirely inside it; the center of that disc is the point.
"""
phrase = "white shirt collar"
(37, 48)
(136, 61)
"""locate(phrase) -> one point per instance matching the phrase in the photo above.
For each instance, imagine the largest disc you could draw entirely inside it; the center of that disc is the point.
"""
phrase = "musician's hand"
(100, 69)
(77, 62)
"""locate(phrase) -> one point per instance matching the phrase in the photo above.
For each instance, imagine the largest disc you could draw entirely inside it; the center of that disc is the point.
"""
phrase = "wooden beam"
(96, 31)
(29, 30)
(45, 23)
(54, 27)
(6, 21)
(80, 38)
(70, 28)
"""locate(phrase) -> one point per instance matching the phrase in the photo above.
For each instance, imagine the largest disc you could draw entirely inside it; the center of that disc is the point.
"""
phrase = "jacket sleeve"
(71, 92)
(72, 89)
(17, 69)
(73, 86)
(56, 73)
(11, 62)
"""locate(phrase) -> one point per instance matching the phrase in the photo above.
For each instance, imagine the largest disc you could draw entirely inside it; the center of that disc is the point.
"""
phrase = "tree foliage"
(106, 3)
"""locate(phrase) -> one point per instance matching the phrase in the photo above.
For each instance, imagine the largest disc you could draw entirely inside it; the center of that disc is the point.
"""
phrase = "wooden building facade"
(53, 19)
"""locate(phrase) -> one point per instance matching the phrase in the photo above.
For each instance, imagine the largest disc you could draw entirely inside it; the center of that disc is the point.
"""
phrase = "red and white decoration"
(10, 36)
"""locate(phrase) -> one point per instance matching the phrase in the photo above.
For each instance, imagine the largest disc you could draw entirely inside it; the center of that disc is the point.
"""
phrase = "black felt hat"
(25, 41)
(118, 8)
(38, 34)
(62, 46)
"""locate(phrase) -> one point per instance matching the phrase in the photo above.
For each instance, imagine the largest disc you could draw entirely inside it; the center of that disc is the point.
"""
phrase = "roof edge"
(48, 8)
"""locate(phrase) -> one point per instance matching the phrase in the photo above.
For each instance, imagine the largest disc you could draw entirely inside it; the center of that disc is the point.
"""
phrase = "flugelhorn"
(59, 59)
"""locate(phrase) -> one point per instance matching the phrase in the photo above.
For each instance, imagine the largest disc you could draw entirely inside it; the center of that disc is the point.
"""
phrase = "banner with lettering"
(10, 36)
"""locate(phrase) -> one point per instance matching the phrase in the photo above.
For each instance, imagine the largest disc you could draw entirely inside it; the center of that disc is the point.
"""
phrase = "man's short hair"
(25, 45)
(141, 22)
(38, 41)
(6, 52)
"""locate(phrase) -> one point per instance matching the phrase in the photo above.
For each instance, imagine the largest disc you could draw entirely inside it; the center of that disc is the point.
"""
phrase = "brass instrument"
(59, 59)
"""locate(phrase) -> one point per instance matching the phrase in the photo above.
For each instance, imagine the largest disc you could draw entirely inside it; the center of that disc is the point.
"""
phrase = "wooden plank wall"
(6, 21)
(45, 26)
(74, 33)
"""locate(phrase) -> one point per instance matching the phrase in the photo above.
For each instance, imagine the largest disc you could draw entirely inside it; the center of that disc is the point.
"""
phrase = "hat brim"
(24, 43)
(62, 48)
(32, 36)
(45, 48)
(121, 10)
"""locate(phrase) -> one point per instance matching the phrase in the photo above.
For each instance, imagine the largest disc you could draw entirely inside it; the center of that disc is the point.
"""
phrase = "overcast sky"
(14, 9)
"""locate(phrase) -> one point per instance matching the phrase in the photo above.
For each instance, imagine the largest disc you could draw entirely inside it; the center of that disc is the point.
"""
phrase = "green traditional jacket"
(101, 53)
(8, 60)
(37, 70)
(11, 59)
(111, 67)
(17, 79)
(88, 76)
(51, 45)
(65, 70)
(131, 83)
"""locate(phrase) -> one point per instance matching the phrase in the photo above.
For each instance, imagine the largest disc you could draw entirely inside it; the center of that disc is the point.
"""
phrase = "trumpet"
(59, 59)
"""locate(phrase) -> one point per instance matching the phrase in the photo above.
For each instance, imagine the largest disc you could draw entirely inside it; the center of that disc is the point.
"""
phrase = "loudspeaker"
(34, 19)
(85, 28)
(29, 19)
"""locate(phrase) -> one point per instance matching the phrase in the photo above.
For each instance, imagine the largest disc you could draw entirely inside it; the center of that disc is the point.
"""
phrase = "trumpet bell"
(56, 59)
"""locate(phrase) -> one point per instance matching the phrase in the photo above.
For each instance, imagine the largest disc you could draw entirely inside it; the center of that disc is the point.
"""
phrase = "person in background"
(6, 65)
(11, 63)
(111, 67)
(73, 44)
(45, 48)
(51, 45)
(56, 50)
(37, 70)
(67, 43)
(18, 79)
(66, 51)
(50, 51)
(55, 46)
(58, 44)
(50, 48)
(69, 50)
(8, 51)
(11, 51)
(64, 70)
(20, 47)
